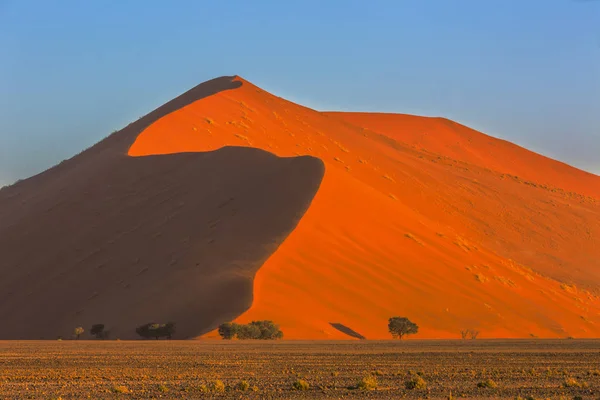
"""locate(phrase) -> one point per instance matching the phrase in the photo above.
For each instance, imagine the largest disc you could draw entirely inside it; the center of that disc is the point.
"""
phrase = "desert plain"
(520, 368)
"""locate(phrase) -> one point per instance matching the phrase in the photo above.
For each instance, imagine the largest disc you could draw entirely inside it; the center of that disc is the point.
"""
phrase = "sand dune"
(419, 217)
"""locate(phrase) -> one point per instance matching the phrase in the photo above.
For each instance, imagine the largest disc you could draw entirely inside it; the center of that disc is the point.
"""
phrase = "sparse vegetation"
(217, 386)
(265, 330)
(301, 384)
(401, 326)
(120, 389)
(488, 383)
(193, 369)
(154, 330)
(469, 334)
(98, 331)
(573, 383)
(368, 382)
(415, 382)
(78, 332)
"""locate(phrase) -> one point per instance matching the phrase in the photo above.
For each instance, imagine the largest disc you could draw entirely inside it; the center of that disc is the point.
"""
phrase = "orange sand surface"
(417, 217)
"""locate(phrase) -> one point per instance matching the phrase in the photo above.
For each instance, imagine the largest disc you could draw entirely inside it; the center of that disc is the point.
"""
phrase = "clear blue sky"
(524, 70)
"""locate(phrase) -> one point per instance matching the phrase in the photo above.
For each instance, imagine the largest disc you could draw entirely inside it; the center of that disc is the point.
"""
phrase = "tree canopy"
(265, 330)
(400, 326)
(154, 330)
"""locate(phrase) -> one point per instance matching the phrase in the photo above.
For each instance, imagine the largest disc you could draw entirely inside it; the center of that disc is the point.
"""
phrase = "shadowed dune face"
(369, 216)
(160, 238)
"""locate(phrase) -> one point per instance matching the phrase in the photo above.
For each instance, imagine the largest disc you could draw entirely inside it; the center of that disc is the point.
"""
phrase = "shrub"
(228, 330)
(154, 330)
(488, 383)
(162, 388)
(266, 330)
(203, 388)
(120, 389)
(218, 386)
(248, 331)
(301, 385)
(369, 382)
(572, 382)
(400, 326)
(415, 383)
(469, 333)
(78, 332)
(242, 385)
(97, 330)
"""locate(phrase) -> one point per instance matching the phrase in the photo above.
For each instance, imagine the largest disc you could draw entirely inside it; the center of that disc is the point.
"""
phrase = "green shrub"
(301, 385)
(266, 330)
(228, 330)
(416, 383)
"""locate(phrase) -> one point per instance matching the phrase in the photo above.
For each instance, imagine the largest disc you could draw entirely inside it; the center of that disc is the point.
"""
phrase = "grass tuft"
(301, 384)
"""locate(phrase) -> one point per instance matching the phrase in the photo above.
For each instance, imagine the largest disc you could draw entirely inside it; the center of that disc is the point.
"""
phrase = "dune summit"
(229, 203)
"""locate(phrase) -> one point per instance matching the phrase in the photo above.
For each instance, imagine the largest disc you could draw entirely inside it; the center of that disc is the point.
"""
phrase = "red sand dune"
(417, 217)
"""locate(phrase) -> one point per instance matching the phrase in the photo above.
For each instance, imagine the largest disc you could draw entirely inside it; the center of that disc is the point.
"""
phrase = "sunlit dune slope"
(451, 139)
(415, 217)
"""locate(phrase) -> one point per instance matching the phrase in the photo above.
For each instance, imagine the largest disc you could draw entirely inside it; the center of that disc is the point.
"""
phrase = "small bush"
(265, 330)
(154, 330)
(369, 382)
(488, 383)
(163, 388)
(120, 389)
(416, 383)
(217, 386)
(78, 332)
(242, 386)
(301, 385)
(203, 388)
(572, 382)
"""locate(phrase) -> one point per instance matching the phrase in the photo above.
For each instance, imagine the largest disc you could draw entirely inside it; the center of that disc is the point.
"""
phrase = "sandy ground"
(556, 369)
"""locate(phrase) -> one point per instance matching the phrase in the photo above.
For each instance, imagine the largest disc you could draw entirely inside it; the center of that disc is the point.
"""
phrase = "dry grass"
(382, 369)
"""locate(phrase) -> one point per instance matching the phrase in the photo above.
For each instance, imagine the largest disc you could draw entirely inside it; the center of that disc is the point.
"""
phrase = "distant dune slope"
(450, 235)
(412, 216)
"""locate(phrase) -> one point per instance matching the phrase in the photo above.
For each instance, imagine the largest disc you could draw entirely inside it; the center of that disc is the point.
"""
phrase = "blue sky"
(524, 70)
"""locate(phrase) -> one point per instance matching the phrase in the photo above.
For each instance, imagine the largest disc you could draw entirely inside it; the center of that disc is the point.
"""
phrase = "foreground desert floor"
(541, 369)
